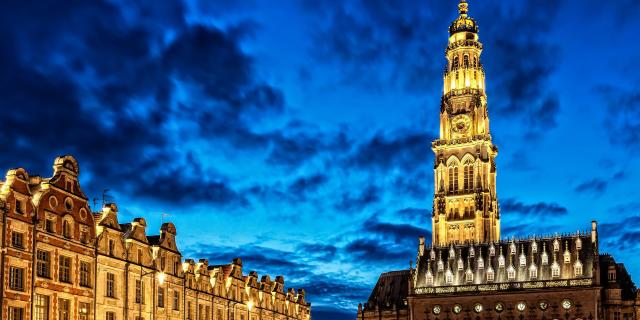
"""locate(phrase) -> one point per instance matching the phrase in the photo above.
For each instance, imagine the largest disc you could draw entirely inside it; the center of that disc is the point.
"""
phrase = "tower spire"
(464, 167)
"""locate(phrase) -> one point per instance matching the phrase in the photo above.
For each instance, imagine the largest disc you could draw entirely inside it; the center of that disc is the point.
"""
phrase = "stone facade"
(61, 261)
(468, 271)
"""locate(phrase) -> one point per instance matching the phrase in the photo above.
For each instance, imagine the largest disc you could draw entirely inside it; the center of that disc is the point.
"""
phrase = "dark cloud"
(622, 121)
(595, 186)
(412, 184)
(406, 234)
(511, 205)
(303, 185)
(322, 252)
(407, 150)
(367, 251)
(355, 201)
(422, 216)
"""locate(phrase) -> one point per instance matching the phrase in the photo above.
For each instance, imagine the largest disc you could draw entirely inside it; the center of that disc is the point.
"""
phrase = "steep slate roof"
(390, 290)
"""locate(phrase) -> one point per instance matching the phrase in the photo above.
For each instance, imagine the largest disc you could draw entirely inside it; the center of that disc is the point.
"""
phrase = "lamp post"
(249, 307)
(161, 278)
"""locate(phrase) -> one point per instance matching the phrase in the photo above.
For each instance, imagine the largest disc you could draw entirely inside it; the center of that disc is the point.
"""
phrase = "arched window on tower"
(475, 62)
(455, 62)
(465, 61)
(468, 175)
(453, 179)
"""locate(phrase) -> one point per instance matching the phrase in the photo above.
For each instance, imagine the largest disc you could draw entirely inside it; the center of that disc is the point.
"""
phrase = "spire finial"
(463, 7)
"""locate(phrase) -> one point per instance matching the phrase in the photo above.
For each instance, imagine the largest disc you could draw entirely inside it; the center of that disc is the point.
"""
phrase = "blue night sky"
(296, 134)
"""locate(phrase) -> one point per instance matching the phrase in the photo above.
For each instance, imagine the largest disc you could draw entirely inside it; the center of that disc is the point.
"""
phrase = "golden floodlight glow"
(250, 305)
(161, 277)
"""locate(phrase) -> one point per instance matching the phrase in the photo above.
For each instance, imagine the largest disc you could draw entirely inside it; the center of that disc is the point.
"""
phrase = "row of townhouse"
(61, 261)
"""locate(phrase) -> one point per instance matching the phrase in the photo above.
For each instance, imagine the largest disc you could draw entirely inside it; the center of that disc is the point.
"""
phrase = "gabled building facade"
(61, 261)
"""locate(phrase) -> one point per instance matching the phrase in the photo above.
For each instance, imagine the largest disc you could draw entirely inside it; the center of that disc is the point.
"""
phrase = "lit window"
(579, 244)
(469, 276)
(556, 245)
(511, 273)
(577, 269)
(64, 309)
(555, 270)
(545, 259)
(449, 277)
(490, 275)
(501, 261)
(460, 264)
(567, 256)
(534, 247)
(472, 252)
(429, 278)
(138, 291)
(523, 260)
(83, 310)
(533, 272)
(512, 248)
(41, 307)
(492, 250)
(440, 265)
(480, 263)
(468, 176)
(110, 316)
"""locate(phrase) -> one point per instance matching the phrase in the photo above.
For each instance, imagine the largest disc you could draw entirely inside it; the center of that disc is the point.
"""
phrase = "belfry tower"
(465, 207)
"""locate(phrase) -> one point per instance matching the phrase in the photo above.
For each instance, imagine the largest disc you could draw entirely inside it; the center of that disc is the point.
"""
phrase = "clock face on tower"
(461, 124)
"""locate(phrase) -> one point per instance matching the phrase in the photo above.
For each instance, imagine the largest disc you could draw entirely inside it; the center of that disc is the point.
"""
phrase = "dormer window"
(48, 225)
(429, 278)
(533, 272)
(440, 265)
(579, 244)
(511, 273)
(567, 256)
(460, 264)
(501, 261)
(512, 248)
(545, 259)
(534, 247)
(112, 246)
(556, 245)
(555, 270)
(449, 277)
(480, 263)
(66, 229)
(469, 276)
(490, 275)
(472, 252)
(20, 209)
(577, 269)
(523, 260)
(492, 250)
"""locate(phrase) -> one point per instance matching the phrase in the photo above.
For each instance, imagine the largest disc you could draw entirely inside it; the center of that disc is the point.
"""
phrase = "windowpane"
(176, 300)
(43, 264)
(41, 307)
(17, 240)
(16, 278)
(16, 313)
(161, 297)
(64, 269)
(111, 285)
(85, 274)
(64, 307)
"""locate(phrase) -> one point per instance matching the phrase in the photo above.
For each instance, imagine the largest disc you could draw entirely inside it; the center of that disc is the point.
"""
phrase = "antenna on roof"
(106, 197)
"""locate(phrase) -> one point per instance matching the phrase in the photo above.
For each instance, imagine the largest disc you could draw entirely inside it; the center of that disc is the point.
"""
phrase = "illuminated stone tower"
(465, 207)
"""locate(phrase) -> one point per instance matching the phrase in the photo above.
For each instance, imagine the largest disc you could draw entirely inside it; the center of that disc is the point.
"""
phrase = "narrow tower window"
(465, 61)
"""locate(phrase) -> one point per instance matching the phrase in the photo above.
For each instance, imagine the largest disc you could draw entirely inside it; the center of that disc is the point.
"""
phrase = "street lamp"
(161, 277)
(249, 307)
